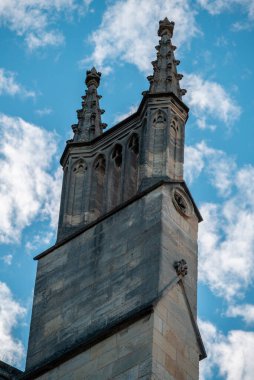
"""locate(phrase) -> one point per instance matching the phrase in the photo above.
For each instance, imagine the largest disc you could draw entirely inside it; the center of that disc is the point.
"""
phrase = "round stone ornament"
(182, 202)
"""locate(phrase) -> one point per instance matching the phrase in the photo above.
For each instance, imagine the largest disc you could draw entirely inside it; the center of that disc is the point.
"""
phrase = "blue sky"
(46, 47)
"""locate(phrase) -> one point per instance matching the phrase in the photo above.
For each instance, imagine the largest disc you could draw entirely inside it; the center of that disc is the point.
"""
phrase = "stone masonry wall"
(175, 348)
(126, 355)
(95, 279)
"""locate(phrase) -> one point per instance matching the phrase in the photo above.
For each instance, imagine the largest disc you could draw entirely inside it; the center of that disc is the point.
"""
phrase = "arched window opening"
(97, 187)
(143, 144)
(131, 167)
(133, 144)
(75, 206)
(114, 180)
(173, 138)
(159, 142)
(117, 155)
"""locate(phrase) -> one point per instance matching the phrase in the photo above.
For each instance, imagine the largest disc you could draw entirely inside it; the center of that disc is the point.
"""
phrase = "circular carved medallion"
(182, 202)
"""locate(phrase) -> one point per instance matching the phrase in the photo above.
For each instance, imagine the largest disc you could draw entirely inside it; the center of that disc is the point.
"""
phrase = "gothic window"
(133, 144)
(114, 179)
(131, 167)
(159, 142)
(76, 190)
(97, 186)
(143, 145)
(116, 156)
(173, 138)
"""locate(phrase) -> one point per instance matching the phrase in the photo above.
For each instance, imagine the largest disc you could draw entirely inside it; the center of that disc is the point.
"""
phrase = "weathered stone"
(115, 298)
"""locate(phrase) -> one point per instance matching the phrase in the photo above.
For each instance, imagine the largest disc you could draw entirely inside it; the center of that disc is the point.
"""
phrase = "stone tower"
(115, 297)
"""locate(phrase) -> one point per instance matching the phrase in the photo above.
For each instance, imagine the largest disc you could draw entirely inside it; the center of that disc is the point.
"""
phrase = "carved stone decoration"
(159, 120)
(182, 202)
(181, 267)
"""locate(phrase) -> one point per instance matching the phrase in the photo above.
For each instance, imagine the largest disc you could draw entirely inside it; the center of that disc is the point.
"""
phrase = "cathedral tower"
(115, 297)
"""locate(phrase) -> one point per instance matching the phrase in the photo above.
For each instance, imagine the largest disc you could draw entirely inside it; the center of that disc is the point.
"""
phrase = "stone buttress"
(115, 297)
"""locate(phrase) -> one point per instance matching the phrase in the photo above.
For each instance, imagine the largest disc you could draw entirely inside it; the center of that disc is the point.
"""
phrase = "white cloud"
(11, 349)
(219, 167)
(208, 98)
(39, 240)
(9, 85)
(231, 355)
(44, 39)
(44, 111)
(52, 198)
(123, 116)
(226, 243)
(245, 311)
(34, 20)
(27, 189)
(219, 6)
(226, 236)
(128, 31)
(7, 259)
(226, 239)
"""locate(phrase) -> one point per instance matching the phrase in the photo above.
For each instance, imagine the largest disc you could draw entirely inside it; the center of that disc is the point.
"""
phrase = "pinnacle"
(165, 78)
(89, 116)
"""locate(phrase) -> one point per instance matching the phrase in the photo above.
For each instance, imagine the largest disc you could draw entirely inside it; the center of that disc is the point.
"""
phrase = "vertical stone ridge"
(165, 77)
(89, 124)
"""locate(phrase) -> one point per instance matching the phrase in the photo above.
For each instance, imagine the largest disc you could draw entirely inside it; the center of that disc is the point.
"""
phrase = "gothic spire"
(89, 116)
(165, 77)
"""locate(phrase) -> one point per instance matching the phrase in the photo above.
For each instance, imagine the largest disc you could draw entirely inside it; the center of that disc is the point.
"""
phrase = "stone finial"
(166, 27)
(165, 77)
(181, 267)
(93, 78)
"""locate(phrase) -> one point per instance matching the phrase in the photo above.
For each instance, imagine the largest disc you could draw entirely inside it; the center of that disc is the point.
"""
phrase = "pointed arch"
(75, 204)
(96, 205)
(131, 166)
(159, 141)
(175, 150)
(115, 175)
(143, 143)
(174, 128)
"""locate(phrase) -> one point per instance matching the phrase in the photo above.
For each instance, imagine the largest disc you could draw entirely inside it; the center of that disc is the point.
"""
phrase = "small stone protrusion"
(79, 113)
(150, 78)
(75, 128)
(181, 267)
(183, 91)
(179, 76)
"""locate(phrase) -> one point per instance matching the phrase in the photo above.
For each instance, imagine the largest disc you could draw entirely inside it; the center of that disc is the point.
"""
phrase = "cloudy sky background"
(46, 46)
